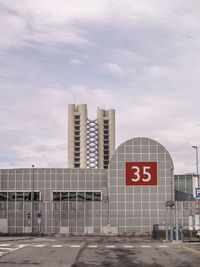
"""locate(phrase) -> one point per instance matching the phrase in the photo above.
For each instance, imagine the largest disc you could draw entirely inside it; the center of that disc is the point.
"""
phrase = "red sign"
(141, 173)
(28, 215)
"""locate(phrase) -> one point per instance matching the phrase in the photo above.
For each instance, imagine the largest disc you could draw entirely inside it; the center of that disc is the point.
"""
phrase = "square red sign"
(141, 173)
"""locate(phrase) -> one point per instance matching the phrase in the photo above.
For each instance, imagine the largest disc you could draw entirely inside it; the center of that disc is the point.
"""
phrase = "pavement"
(97, 251)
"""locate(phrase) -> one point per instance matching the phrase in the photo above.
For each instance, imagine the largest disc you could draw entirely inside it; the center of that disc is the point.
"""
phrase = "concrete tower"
(91, 143)
(77, 136)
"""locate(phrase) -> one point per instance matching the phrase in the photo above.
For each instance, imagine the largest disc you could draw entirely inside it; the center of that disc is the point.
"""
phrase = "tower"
(90, 142)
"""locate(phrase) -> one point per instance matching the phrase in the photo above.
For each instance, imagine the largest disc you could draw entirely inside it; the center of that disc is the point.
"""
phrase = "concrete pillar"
(111, 116)
(82, 108)
(71, 109)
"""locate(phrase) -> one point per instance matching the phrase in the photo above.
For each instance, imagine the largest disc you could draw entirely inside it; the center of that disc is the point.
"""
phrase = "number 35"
(137, 173)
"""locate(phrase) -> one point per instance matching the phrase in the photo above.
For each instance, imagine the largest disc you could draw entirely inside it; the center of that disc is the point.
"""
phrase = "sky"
(140, 57)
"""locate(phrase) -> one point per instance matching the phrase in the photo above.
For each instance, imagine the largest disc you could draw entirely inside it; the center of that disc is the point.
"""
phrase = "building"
(128, 197)
(91, 143)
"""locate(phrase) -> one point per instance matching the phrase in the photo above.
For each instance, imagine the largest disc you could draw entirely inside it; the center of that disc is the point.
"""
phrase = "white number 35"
(137, 173)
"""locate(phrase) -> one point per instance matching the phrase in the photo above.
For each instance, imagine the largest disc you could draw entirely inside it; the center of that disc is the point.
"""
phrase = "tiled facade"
(92, 201)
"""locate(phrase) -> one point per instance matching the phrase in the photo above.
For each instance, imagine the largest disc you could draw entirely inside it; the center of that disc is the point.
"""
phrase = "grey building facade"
(129, 197)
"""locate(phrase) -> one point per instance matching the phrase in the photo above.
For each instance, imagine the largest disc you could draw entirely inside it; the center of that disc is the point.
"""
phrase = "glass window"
(64, 196)
(106, 152)
(106, 127)
(36, 196)
(77, 133)
(77, 122)
(3, 196)
(77, 138)
(19, 196)
(77, 149)
(11, 196)
(77, 154)
(89, 196)
(105, 147)
(56, 196)
(72, 196)
(105, 136)
(76, 159)
(77, 144)
(27, 196)
(106, 142)
(77, 117)
(97, 196)
(81, 196)
(105, 132)
(105, 121)
(106, 157)
(76, 165)
(77, 128)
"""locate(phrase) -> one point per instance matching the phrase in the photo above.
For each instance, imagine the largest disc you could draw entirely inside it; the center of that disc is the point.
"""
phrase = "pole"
(166, 223)
(177, 230)
(32, 197)
(171, 224)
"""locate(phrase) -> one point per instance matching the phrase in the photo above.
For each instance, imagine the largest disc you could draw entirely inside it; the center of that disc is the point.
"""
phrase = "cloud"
(76, 61)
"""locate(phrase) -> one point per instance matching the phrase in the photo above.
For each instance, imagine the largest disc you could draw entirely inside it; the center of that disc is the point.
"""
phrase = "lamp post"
(196, 148)
(32, 197)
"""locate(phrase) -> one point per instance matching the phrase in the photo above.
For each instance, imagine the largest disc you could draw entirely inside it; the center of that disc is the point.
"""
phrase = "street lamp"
(32, 197)
(195, 147)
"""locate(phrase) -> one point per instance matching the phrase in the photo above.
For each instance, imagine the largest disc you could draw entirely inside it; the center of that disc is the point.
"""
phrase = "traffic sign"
(39, 215)
(197, 193)
(28, 215)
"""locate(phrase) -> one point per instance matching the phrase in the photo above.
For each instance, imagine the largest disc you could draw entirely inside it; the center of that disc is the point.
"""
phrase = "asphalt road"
(97, 251)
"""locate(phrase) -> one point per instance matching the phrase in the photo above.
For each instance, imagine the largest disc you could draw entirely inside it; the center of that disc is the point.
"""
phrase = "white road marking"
(57, 246)
(4, 245)
(128, 246)
(163, 246)
(7, 249)
(92, 246)
(75, 246)
(145, 246)
(39, 246)
(110, 246)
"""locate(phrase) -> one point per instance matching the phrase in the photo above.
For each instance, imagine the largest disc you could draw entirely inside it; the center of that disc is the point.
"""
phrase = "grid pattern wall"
(183, 183)
(137, 208)
(57, 216)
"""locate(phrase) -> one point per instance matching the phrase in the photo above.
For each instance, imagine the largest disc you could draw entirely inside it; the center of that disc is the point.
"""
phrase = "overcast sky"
(140, 57)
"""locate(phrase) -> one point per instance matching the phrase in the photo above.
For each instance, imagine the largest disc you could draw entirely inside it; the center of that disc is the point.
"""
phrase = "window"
(77, 144)
(106, 162)
(19, 196)
(77, 122)
(105, 152)
(77, 117)
(105, 166)
(72, 196)
(76, 196)
(77, 149)
(106, 157)
(77, 133)
(105, 147)
(105, 121)
(105, 132)
(106, 142)
(97, 196)
(64, 196)
(81, 196)
(36, 196)
(56, 196)
(11, 196)
(77, 128)
(77, 138)
(89, 196)
(76, 165)
(76, 159)
(27, 196)
(3, 196)
(77, 154)
(106, 127)
(106, 137)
